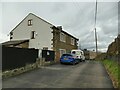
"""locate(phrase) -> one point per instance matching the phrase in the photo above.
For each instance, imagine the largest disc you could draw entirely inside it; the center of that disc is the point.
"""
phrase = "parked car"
(68, 58)
(78, 54)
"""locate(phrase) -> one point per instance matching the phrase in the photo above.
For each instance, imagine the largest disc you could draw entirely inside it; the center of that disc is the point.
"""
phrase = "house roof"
(41, 19)
(70, 35)
(65, 32)
(15, 42)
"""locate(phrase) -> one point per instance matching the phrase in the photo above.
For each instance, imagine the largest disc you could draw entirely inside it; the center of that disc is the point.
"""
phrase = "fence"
(114, 57)
(17, 57)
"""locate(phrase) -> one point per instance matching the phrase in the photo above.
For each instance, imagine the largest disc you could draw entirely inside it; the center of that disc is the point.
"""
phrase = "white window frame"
(64, 51)
(62, 37)
(72, 41)
(30, 22)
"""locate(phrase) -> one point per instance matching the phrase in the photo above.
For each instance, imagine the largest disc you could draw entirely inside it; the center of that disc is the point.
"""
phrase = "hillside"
(114, 48)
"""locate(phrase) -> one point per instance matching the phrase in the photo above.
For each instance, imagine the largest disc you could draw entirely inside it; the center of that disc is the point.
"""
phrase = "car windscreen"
(66, 55)
(76, 52)
(73, 52)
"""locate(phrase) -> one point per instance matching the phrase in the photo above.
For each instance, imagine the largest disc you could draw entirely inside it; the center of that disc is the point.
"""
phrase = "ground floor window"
(62, 51)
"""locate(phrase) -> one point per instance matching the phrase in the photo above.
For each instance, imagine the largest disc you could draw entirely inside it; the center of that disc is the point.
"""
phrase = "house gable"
(28, 16)
(35, 29)
(30, 23)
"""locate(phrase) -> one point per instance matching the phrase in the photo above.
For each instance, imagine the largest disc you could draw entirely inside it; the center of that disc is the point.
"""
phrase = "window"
(66, 55)
(33, 35)
(62, 51)
(62, 37)
(11, 37)
(73, 52)
(72, 41)
(11, 33)
(30, 22)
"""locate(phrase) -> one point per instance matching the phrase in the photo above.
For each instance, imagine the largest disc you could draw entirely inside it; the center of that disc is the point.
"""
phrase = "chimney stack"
(59, 27)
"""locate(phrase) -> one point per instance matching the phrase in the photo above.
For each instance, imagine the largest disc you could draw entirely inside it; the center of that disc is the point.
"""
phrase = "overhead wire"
(95, 18)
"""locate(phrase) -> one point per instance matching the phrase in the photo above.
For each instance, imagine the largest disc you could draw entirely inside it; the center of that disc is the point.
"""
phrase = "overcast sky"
(76, 18)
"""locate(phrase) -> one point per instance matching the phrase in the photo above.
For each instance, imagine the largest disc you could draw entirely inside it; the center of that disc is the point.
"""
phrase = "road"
(89, 74)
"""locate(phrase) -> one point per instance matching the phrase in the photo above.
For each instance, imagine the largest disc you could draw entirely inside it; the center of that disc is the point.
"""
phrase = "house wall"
(92, 55)
(58, 45)
(42, 29)
(22, 45)
(86, 54)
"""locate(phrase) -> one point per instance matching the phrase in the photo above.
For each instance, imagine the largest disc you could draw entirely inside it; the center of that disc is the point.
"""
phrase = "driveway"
(89, 74)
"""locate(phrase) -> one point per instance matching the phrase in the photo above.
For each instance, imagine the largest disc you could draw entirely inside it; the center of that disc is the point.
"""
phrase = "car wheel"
(73, 63)
(61, 63)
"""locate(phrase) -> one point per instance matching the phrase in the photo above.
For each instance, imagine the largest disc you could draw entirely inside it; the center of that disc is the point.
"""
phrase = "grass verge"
(113, 70)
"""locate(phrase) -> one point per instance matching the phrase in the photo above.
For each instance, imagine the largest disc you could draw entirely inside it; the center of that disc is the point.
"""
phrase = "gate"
(48, 55)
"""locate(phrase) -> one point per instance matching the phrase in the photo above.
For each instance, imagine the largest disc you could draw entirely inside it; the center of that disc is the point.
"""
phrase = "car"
(68, 58)
(78, 54)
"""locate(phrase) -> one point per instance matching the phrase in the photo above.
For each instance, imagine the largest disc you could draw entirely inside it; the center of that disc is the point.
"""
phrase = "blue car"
(68, 58)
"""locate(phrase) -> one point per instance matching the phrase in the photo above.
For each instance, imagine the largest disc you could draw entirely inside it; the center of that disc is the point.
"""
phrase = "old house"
(89, 55)
(34, 32)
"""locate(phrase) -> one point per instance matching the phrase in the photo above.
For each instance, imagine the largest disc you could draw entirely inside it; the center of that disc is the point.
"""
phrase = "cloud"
(77, 18)
(59, 7)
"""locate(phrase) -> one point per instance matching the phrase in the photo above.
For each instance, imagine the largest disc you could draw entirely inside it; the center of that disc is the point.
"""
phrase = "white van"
(79, 54)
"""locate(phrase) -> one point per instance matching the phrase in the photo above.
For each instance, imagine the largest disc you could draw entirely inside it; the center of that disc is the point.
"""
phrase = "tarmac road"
(89, 74)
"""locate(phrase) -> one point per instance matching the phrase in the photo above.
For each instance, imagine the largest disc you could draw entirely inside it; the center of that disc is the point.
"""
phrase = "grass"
(114, 71)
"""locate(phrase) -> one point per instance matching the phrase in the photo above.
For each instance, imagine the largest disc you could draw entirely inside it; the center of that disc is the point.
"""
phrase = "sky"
(76, 18)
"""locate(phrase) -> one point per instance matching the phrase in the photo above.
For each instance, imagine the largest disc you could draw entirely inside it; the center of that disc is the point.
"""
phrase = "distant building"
(92, 55)
(89, 55)
(34, 32)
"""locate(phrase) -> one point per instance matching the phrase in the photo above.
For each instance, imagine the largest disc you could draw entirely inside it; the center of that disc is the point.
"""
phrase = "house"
(92, 55)
(63, 42)
(86, 54)
(34, 32)
(89, 55)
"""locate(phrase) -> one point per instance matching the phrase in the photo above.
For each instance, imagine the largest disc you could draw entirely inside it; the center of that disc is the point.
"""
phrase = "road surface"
(89, 74)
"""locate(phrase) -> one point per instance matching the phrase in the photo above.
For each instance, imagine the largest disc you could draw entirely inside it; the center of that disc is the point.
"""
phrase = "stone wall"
(113, 51)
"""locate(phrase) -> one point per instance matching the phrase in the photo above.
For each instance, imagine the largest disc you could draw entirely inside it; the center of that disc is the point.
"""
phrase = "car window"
(73, 52)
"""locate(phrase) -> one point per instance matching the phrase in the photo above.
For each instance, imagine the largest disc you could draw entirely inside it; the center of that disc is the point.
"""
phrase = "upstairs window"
(30, 22)
(33, 35)
(11, 38)
(11, 33)
(62, 37)
(72, 41)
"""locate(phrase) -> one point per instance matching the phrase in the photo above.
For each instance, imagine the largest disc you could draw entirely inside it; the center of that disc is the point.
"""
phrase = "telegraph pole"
(95, 28)
(96, 42)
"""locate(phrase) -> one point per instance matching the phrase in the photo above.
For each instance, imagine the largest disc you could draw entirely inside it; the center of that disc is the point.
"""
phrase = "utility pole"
(96, 42)
(95, 28)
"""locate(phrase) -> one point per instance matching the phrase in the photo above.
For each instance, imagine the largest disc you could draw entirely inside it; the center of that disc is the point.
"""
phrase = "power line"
(87, 36)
